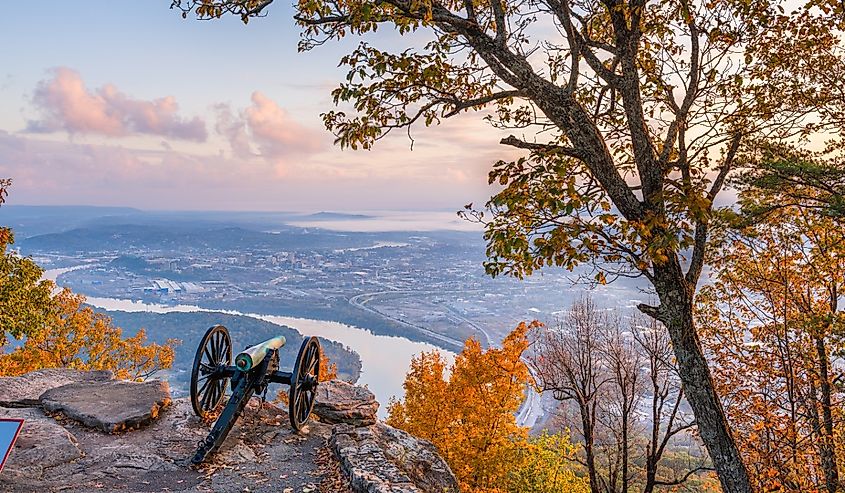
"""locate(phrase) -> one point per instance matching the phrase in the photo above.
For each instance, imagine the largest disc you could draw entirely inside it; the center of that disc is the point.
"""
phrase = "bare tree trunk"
(589, 441)
(826, 446)
(676, 313)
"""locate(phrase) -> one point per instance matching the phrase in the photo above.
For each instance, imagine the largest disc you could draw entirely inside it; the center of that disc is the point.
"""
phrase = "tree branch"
(541, 148)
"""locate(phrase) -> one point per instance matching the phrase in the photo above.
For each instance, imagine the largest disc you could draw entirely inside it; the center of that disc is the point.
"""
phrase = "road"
(531, 409)
(360, 301)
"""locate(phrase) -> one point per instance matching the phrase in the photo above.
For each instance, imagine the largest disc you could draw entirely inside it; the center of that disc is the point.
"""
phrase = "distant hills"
(333, 216)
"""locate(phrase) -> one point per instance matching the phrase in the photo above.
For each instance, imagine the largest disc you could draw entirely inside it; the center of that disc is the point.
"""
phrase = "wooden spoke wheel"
(208, 377)
(303, 382)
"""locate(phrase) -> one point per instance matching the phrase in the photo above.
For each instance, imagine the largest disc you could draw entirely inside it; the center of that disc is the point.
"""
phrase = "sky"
(124, 103)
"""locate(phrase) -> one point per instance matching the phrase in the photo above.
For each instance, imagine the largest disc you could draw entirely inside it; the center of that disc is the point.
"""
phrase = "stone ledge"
(42, 444)
(364, 463)
(382, 459)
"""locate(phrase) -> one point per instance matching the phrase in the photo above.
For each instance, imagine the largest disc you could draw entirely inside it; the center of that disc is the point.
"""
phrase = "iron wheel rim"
(303, 386)
(208, 387)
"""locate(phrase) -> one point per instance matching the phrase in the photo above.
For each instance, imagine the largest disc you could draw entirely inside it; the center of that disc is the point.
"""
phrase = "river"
(385, 360)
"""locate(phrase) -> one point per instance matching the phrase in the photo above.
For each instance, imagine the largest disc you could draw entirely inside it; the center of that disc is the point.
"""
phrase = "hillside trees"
(630, 114)
(75, 336)
(622, 382)
(467, 411)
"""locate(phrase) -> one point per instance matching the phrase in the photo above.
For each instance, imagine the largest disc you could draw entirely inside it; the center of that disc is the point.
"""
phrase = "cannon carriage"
(254, 369)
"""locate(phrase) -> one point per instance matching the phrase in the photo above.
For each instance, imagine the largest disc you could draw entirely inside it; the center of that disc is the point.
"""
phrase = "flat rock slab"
(25, 390)
(42, 444)
(341, 402)
(109, 406)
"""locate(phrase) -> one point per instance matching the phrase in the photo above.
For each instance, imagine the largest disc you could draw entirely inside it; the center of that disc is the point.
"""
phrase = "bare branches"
(612, 373)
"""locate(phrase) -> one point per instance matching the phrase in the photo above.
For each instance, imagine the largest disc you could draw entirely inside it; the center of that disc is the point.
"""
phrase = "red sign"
(10, 428)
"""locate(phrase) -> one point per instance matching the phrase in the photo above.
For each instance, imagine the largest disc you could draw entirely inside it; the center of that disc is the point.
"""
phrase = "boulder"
(417, 458)
(109, 406)
(25, 390)
(382, 459)
(362, 460)
(42, 443)
(341, 402)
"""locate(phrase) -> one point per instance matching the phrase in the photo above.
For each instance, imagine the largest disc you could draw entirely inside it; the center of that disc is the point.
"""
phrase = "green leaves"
(23, 295)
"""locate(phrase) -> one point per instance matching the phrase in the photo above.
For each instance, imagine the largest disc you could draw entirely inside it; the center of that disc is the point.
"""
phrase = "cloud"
(234, 129)
(265, 129)
(67, 105)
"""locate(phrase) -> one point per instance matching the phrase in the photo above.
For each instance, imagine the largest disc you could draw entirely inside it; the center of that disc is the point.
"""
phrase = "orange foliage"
(772, 326)
(328, 370)
(75, 336)
(468, 415)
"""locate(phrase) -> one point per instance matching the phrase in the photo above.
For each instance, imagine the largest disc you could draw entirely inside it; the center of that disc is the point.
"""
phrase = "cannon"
(253, 370)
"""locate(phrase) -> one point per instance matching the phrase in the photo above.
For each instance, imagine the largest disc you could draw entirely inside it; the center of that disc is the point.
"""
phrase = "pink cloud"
(267, 127)
(51, 172)
(66, 104)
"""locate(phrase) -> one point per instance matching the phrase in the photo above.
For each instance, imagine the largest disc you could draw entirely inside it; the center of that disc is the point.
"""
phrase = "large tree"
(630, 113)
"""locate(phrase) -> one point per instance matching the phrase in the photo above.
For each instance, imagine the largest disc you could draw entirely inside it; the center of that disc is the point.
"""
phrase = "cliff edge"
(85, 431)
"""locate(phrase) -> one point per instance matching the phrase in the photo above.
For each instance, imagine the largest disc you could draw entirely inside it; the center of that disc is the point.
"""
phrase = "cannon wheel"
(303, 382)
(208, 383)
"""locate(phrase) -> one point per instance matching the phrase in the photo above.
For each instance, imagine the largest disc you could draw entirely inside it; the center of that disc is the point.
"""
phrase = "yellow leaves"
(75, 336)
(761, 321)
(545, 464)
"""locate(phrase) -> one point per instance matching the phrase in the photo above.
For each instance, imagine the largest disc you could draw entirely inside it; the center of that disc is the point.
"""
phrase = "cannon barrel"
(253, 355)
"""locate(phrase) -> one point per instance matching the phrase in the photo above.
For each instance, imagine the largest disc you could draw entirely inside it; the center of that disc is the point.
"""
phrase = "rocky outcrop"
(382, 459)
(417, 458)
(109, 406)
(341, 402)
(42, 444)
(149, 444)
(25, 391)
(375, 457)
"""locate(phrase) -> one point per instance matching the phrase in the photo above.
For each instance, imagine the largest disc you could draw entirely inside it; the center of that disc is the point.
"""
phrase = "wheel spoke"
(220, 353)
(225, 350)
(308, 400)
(312, 366)
(215, 397)
(303, 412)
(311, 353)
(204, 386)
(209, 400)
(204, 400)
